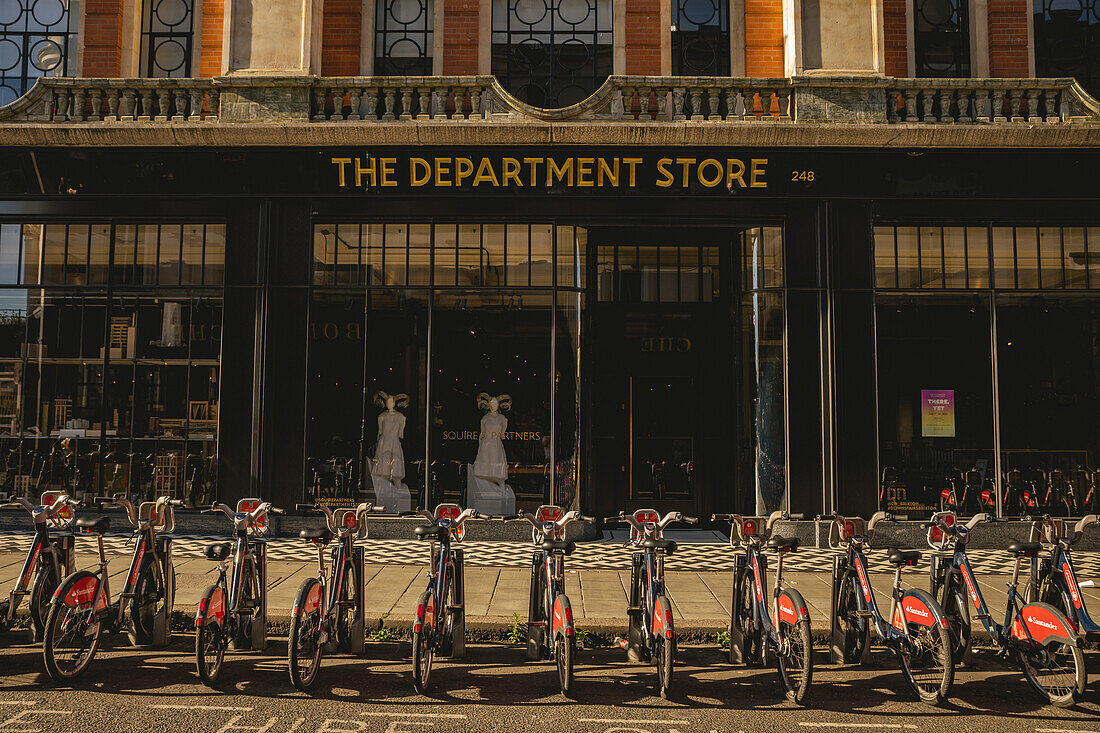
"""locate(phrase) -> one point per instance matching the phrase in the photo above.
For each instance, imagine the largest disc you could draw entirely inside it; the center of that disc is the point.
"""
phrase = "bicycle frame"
(57, 551)
(1062, 573)
(547, 608)
(448, 518)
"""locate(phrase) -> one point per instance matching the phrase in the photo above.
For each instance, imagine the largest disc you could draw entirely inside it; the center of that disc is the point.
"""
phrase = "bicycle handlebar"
(660, 524)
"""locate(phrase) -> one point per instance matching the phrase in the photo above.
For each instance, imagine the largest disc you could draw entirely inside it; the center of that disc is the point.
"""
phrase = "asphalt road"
(493, 689)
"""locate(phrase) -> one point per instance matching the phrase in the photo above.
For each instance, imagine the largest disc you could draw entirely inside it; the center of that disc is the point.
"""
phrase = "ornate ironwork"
(34, 42)
(403, 37)
(942, 38)
(552, 53)
(700, 38)
(1067, 40)
(167, 38)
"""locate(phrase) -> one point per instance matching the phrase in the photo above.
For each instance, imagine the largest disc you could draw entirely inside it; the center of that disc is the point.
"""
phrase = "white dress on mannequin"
(387, 468)
(486, 490)
(491, 463)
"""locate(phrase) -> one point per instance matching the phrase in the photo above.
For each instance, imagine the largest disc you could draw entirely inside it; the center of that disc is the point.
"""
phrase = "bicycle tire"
(664, 657)
(1062, 685)
(45, 583)
(753, 645)
(148, 593)
(857, 632)
(796, 658)
(423, 654)
(956, 611)
(210, 645)
(445, 630)
(303, 642)
(934, 655)
(349, 609)
(69, 622)
(1051, 594)
(565, 651)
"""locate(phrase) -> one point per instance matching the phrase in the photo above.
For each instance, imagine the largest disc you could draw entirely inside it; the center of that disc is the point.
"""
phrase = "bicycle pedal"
(623, 644)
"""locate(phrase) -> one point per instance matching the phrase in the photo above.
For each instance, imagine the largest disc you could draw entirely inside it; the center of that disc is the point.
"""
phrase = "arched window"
(403, 37)
(942, 38)
(1067, 40)
(167, 38)
(552, 53)
(700, 38)
(37, 38)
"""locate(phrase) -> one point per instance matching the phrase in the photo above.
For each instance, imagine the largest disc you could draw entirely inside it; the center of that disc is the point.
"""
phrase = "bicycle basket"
(451, 511)
(645, 516)
(346, 518)
(547, 513)
(258, 527)
(937, 538)
(853, 527)
(147, 511)
(64, 517)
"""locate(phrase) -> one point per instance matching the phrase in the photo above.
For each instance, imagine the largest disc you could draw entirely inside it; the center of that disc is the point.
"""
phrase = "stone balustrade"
(993, 101)
(626, 99)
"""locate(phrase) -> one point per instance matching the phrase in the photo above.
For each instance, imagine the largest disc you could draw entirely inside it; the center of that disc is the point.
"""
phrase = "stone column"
(834, 37)
(277, 37)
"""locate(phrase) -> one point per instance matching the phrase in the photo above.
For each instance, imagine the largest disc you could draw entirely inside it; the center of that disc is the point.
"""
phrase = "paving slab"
(691, 598)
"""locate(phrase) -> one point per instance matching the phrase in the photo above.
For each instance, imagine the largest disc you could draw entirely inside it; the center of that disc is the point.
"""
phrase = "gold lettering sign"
(607, 172)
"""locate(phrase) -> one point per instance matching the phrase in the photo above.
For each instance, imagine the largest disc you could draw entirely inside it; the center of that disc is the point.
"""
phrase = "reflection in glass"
(764, 388)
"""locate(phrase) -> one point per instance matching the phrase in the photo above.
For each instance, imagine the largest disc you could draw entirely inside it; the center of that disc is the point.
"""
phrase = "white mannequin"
(388, 467)
(486, 477)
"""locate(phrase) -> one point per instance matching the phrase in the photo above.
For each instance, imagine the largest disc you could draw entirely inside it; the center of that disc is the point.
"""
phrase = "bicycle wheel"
(211, 641)
(445, 623)
(1056, 672)
(45, 583)
(753, 635)
(957, 613)
(349, 608)
(423, 654)
(304, 648)
(665, 652)
(70, 641)
(147, 602)
(565, 649)
(856, 631)
(928, 669)
(795, 660)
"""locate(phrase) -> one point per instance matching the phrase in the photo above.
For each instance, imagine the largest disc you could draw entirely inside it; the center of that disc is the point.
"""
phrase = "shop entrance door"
(664, 372)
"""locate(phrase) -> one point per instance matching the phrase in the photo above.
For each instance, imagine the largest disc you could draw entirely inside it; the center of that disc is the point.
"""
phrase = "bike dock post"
(358, 636)
(458, 633)
(162, 623)
(257, 640)
(65, 545)
(836, 636)
(634, 613)
(737, 634)
(535, 633)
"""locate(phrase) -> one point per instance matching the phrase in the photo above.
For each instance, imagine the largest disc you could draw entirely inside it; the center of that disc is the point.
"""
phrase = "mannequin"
(486, 477)
(388, 467)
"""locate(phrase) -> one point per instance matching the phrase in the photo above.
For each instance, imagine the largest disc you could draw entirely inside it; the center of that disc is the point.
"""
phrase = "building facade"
(706, 255)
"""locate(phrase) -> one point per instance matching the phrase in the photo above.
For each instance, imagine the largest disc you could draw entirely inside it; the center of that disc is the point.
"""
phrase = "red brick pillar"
(341, 27)
(1008, 29)
(461, 31)
(642, 37)
(763, 37)
(102, 38)
(211, 38)
(896, 36)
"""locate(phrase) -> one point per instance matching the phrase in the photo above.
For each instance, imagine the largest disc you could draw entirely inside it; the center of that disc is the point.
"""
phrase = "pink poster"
(937, 413)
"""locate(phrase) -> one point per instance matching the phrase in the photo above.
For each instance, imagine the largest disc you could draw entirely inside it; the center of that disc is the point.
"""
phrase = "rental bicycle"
(49, 559)
(81, 608)
(1056, 578)
(234, 610)
(550, 631)
(757, 630)
(651, 634)
(1035, 636)
(439, 626)
(916, 631)
(321, 619)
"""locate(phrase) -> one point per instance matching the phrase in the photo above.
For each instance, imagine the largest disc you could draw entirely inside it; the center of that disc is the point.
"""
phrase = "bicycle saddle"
(219, 550)
(1030, 549)
(428, 530)
(784, 544)
(667, 546)
(98, 525)
(904, 557)
(324, 534)
(566, 546)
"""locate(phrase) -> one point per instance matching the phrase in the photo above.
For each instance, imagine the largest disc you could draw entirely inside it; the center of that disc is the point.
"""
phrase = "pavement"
(701, 598)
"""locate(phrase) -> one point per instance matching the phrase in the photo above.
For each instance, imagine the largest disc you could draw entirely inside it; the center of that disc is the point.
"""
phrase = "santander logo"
(970, 587)
(1072, 586)
(1039, 622)
(912, 610)
(756, 572)
(863, 581)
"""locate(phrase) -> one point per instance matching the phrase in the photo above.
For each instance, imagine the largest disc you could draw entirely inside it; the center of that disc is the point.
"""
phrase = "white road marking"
(633, 720)
(1062, 730)
(455, 716)
(18, 702)
(888, 726)
(200, 707)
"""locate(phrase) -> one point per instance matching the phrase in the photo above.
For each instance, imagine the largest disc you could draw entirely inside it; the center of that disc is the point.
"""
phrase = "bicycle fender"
(1046, 624)
(211, 607)
(78, 589)
(563, 616)
(920, 608)
(662, 618)
(792, 607)
(308, 598)
(425, 612)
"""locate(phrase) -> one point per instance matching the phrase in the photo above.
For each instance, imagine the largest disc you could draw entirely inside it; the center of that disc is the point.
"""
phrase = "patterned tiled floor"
(607, 555)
